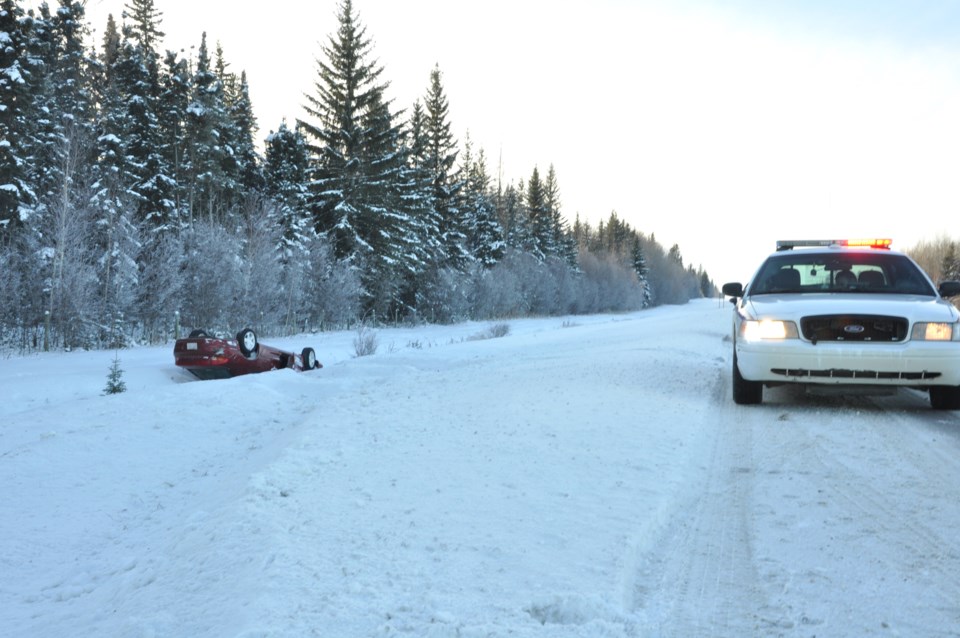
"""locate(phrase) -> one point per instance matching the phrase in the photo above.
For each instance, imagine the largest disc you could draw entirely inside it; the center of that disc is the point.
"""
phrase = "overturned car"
(211, 357)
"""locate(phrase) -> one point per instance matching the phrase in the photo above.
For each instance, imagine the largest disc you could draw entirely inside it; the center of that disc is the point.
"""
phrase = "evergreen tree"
(244, 127)
(512, 213)
(425, 218)
(209, 184)
(707, 288)
(484, 235)
(426, 249)
(137, 76)
(115, 383)
(357, 164)
(674, 255)
(564, 246)
(639, 263)
(229, 136)
(285, 169)
(440, 160)
(42, 142)
(146, 19)
(15, 96)
(172, 121)
(540, 219)
(116, 236)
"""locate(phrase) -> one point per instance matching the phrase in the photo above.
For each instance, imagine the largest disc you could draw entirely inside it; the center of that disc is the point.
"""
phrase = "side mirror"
(949, 288)
(733, 289)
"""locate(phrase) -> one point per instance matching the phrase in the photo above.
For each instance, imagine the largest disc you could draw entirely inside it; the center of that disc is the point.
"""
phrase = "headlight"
(768, 329)
(936, 331)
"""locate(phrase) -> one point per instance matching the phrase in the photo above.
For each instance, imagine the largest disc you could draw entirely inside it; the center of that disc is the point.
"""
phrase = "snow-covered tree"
(15, 95)
(172, 121)
(540, 219)
(512, 214)
(484, 234)
(357, 163)
(440, 159)
(209, 184)
(639, 263)
(564, 245)
(285, 171)
(137, 76)
(243, 127)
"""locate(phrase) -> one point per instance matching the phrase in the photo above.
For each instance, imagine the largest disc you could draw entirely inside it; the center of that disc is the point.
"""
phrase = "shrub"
(366, 341)
(495, 331)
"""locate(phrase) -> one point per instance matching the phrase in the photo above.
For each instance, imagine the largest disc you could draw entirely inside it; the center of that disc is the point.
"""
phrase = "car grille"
(836, 373)
(857, 328)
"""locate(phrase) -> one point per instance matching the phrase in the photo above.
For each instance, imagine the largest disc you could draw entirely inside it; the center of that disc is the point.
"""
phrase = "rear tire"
(308, 358)
(198, 334)
(945, 397)
(745, 392)
(247, 342)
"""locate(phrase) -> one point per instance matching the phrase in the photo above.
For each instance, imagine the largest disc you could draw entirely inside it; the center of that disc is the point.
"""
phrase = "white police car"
(845, 313)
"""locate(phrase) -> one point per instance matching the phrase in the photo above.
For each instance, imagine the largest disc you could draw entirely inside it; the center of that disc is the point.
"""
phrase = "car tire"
(308, 358)
(745, 392)
(198, 334)
(247, 342)
(945, 397)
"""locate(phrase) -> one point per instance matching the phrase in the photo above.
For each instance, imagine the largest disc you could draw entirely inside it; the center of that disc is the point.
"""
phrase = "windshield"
(807, 271)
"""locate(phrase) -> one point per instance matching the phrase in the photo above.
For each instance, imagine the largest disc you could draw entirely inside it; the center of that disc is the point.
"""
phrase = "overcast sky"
(720, 126)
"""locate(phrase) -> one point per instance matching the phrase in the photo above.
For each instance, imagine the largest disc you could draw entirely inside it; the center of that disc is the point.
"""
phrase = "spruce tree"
(41, 140)
(116, 235)
(15, 193)
(356, 163)
(639, 263)
(115, 382)
(540, 218)
(562, 243)
(484, 234)
(425, 222)
(512, 213)
(137, 74)
(441, 158)
(229, 135)
(285, 169)
(172, 121)
(243, 124)
(208, 182)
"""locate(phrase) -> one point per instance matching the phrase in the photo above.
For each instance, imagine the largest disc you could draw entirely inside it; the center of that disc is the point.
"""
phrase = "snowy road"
(579, 477)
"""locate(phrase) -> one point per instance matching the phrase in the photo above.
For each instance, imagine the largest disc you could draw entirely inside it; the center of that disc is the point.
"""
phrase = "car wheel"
(309, 359)
(945, 397)
(198, 334)
(745, 392)
(247, 342)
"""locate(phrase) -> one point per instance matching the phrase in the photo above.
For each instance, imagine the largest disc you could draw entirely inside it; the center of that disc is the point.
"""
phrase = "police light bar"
(849, 243)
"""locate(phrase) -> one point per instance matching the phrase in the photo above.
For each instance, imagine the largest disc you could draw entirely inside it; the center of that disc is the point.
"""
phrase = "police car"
(851, 314)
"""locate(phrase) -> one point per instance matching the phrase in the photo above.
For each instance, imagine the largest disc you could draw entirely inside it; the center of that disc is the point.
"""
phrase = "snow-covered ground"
(587, 476)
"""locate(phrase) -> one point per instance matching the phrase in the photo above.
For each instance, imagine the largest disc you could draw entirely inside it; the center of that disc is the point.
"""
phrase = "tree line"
(132, 191)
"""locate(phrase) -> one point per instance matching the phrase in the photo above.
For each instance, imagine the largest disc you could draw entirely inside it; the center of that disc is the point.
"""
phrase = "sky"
(719, 126)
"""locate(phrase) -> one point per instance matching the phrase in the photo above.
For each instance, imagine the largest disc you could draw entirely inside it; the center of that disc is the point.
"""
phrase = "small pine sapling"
(115, 384)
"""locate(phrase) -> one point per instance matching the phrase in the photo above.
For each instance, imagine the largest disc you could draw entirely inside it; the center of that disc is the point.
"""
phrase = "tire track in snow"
(699, 578)
(856, 509)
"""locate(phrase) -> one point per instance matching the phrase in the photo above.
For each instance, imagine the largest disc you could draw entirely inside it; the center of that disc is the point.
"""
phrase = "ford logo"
(854, 329)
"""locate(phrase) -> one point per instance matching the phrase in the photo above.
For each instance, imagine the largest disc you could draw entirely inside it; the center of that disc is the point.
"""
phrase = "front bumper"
(912, 363)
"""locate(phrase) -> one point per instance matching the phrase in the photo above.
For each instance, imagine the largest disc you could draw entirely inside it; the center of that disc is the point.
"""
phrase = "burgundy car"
(209, 357)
